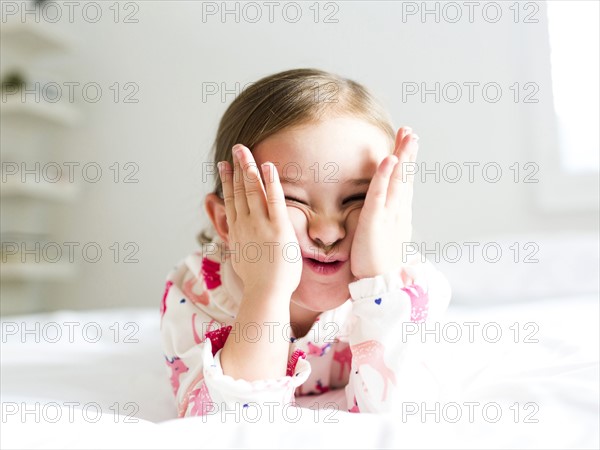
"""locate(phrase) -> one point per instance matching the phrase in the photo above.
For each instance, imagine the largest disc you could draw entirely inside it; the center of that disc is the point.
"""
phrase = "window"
(562, 56)
(574, 49)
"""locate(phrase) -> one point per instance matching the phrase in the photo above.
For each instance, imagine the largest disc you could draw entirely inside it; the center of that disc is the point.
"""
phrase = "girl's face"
(325, 169)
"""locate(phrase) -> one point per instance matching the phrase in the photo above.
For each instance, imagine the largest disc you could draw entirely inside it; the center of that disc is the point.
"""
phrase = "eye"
(295, 200)
(355, 198)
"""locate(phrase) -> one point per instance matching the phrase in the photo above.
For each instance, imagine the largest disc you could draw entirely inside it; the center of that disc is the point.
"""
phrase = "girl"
(302, 286)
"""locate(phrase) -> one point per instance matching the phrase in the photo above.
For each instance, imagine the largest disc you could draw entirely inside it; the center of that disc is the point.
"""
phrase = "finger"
(415, 148)
(255, 192)
(226, 174)
(402, 133)
(377, 192)
(239, 191)
(275, 197)
(401, 180)
(411, 149)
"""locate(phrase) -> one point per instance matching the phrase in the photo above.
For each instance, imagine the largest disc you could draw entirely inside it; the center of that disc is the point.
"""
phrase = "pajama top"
(357, 346)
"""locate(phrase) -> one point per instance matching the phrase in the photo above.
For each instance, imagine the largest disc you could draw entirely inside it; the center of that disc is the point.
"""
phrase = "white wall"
(171, 52)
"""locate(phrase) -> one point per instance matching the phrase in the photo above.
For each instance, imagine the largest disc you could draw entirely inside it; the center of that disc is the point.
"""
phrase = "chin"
(320, 297)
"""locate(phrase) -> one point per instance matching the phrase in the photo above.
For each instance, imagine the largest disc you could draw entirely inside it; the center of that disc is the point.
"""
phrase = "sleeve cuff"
(279, 390)
(402, 292)
(392, 281)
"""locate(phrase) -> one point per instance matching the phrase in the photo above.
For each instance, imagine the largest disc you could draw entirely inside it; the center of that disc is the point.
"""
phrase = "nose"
(326, 231)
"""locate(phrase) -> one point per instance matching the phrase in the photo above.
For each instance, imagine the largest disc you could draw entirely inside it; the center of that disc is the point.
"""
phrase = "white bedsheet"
(554, 381)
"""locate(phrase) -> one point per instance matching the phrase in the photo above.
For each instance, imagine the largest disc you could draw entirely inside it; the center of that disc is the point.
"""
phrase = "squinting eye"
(292, 199)
(355, 198)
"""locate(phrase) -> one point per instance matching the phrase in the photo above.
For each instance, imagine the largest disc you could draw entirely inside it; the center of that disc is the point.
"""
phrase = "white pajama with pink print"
(357, 346)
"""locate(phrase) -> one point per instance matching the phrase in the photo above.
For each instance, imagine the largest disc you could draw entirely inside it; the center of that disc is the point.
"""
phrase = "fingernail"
(220, 167)
(236, 150)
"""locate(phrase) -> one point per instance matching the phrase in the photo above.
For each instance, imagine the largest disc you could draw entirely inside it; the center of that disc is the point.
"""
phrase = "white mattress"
(554, 381)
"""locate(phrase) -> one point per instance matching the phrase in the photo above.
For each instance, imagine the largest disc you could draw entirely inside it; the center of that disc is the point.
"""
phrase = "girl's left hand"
(385, 221)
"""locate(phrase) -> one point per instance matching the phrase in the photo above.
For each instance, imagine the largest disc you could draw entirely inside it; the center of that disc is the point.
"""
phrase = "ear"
(215, 208)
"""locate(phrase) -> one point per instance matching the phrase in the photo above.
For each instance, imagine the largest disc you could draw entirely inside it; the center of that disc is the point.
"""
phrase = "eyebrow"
(353, 181)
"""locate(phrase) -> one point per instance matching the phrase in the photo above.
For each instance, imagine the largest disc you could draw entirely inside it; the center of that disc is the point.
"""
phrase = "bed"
(96, 379)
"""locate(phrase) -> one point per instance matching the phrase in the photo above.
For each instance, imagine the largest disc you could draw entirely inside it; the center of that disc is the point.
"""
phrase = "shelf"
(57, 113)
(34, 37)
(30, 49)
(36, 272)
(59, 191)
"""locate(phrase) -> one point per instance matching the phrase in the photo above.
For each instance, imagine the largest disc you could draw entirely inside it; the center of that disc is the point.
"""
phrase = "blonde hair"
(286, 99)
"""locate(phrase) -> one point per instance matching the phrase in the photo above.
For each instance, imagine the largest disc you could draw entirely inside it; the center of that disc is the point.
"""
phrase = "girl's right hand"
(262, 244)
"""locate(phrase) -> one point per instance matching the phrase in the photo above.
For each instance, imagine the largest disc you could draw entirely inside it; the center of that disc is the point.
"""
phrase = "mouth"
(322, 266)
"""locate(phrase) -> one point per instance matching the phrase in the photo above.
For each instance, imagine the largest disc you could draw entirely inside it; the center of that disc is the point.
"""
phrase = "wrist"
(368, 274)
(258, 293)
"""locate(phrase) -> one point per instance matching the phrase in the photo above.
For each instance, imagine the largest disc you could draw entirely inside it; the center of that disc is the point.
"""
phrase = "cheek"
(352, 222)
(298, 219)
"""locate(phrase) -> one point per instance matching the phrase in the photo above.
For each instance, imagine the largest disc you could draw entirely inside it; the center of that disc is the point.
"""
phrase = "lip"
(319, 257)
(323, 268)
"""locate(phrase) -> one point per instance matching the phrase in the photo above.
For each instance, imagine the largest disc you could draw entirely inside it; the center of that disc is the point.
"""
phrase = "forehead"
(352, 146)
